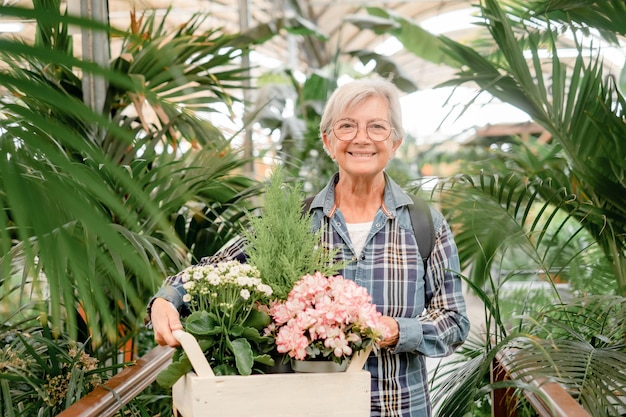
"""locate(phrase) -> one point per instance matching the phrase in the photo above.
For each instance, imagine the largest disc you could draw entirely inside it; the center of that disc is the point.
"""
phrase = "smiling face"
(361, 157)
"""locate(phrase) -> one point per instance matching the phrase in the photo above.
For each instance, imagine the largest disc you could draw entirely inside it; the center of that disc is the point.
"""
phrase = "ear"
(328, 146)
(394, 147)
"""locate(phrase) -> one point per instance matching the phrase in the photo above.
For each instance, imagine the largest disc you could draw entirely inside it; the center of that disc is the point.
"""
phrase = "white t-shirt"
(358, 234)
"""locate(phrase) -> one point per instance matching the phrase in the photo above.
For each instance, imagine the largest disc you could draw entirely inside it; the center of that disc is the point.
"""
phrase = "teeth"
(362, 154)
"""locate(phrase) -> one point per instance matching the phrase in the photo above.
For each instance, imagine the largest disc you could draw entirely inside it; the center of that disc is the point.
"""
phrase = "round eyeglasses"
(377, 130)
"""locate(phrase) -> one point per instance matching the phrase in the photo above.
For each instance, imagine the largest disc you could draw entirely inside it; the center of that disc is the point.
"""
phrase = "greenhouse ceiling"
(344, 25)
(333, 19)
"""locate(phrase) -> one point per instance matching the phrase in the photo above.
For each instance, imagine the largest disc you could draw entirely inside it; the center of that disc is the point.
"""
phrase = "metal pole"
(248, 144)
(95, 48)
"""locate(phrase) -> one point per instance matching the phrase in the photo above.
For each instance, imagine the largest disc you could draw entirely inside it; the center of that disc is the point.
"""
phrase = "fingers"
(165, 319)
(392, 337)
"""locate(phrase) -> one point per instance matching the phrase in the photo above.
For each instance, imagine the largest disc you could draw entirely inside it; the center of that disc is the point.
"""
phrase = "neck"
(359, 200)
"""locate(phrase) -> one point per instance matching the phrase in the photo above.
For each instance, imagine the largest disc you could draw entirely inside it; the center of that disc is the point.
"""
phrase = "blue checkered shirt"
(429, 308)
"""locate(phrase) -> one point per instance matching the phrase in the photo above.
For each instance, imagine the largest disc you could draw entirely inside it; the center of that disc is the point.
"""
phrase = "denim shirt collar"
(394, 197)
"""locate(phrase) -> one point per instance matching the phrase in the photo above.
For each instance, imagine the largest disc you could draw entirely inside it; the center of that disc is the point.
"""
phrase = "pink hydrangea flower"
(325, 316)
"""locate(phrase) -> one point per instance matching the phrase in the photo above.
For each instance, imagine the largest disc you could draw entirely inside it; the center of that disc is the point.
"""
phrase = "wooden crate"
(203, 394)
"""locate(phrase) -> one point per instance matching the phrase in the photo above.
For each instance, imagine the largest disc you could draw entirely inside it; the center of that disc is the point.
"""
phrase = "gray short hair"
(355, 92)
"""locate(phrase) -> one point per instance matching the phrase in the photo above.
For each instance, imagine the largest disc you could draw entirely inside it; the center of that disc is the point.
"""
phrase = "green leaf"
(384, 67)
(201, 323)
(236, 330)
(250, 333)
(264, 360)
(414, 38)
(257, 319)
(168, 377)
(622, 80)
(224, 369)
(206, 344)
(298, 25)
(243, 356)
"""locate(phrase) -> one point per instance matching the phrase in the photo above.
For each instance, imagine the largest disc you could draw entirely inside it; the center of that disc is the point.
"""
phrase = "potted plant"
(228, 316)
(325, 320)
(281, 244)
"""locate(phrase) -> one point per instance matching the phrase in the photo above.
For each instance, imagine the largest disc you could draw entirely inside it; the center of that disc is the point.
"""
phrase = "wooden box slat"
(345, 394)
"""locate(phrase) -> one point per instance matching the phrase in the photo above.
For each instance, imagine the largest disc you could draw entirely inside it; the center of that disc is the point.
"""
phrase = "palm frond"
(91, 215)
(583, 113)
(579, 344)
(520, 222)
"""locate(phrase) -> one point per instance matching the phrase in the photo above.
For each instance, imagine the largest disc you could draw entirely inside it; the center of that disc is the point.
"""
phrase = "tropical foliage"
(43, 374)
(113, 185)
(99, 205)
(555, 209)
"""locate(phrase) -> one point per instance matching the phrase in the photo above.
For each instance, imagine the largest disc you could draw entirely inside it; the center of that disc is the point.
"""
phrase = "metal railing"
(549, 400)
(109, 398)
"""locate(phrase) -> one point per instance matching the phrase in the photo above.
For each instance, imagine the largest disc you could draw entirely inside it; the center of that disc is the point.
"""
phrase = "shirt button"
(354, 258)
(377, 224)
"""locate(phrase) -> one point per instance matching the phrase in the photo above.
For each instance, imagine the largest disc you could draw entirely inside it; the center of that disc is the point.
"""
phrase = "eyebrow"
(376, 119)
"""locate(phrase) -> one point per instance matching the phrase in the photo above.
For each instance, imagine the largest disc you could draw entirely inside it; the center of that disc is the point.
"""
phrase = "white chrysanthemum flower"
(186, 298)
(245, 294)
(189, 285)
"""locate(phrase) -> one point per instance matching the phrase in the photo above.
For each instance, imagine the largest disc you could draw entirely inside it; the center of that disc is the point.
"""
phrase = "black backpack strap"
(306, 207)
(423, 227)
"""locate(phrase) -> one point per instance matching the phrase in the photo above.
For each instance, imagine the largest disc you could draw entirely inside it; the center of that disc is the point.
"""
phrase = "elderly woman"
(365, 215)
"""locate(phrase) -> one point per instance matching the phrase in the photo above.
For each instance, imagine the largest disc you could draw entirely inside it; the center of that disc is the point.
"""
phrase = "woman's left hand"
(393, 335)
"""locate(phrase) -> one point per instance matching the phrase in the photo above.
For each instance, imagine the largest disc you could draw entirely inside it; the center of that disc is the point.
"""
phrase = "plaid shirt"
(429, 308)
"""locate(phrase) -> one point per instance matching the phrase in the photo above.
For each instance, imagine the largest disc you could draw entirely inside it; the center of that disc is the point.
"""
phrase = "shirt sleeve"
(444, 325)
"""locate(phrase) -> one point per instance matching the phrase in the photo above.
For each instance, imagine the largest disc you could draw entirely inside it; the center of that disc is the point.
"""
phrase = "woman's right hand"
(165, 319)
(394, 333)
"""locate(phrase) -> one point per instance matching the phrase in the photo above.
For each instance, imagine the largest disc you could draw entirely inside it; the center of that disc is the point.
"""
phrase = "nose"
(361, 132)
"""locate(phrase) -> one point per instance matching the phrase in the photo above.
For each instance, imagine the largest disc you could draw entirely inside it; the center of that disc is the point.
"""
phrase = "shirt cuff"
(410, 334)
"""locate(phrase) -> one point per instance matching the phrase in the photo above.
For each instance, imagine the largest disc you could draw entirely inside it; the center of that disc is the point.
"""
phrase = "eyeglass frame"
(356, 132)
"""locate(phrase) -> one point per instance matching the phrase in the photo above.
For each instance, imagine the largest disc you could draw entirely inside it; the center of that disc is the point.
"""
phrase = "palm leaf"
(86, 214)
(580, 345)
(549, 209)
(584, 114)
(520, 220)
(607, 16)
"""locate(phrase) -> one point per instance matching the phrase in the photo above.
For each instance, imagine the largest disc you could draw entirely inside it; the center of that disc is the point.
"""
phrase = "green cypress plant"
(281, 243)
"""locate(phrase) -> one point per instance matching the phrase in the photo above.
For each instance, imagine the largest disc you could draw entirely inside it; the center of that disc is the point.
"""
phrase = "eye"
(345, 125)
(378, 126)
